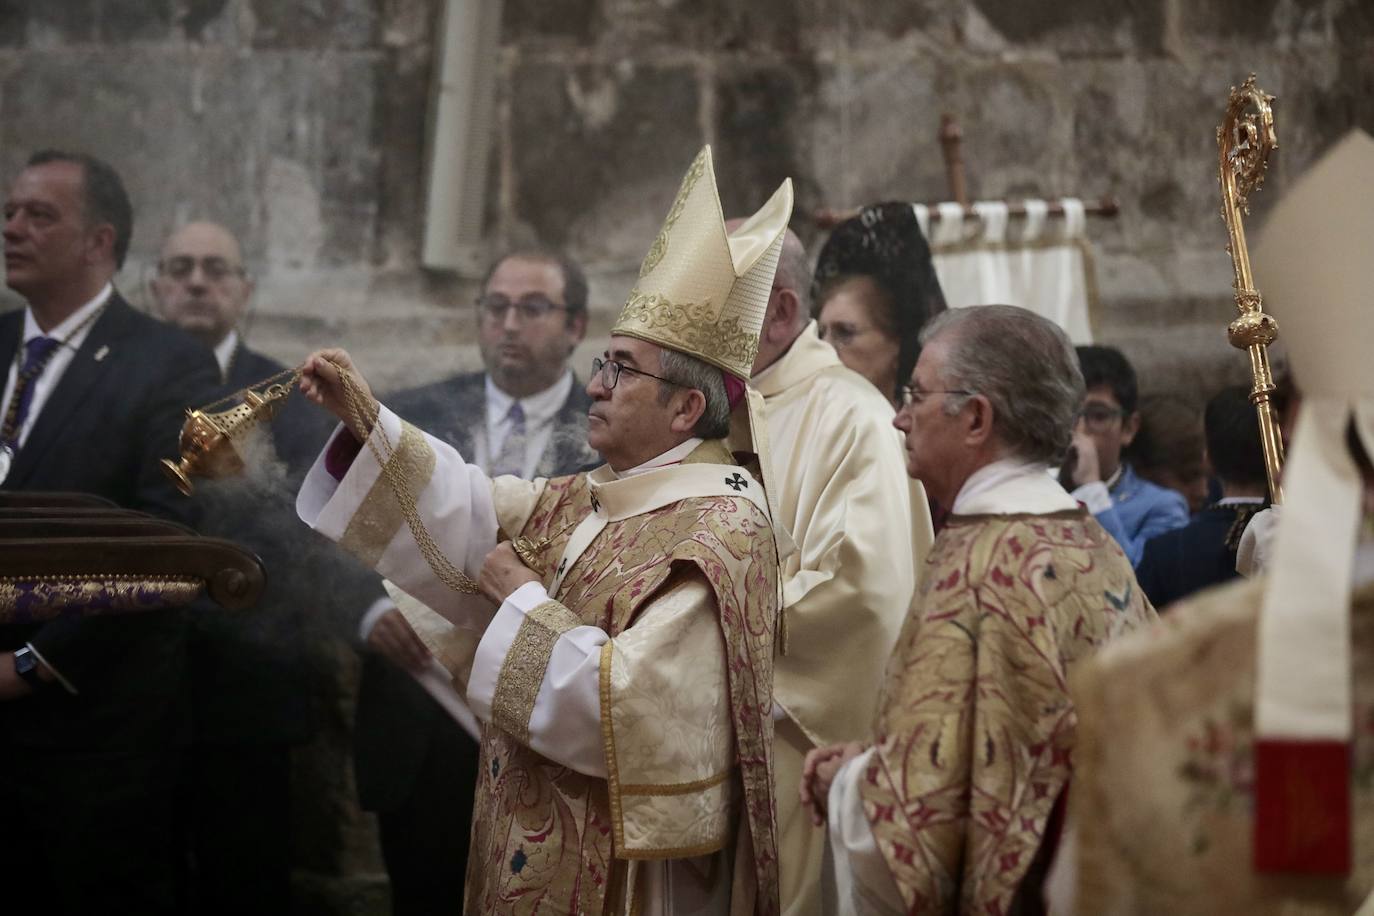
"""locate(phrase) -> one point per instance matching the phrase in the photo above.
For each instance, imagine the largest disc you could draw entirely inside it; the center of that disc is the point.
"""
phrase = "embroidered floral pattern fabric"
(1163, 798)
(976, 727)
(551, 833)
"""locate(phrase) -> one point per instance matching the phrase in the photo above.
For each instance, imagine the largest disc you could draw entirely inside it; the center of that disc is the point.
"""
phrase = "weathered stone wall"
(302, 123)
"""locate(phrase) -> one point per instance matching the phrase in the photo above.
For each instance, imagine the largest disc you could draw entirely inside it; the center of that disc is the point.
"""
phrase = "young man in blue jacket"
(1132, 509)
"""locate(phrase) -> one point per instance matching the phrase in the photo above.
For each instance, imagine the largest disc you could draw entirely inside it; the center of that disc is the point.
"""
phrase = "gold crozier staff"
(1244, 141)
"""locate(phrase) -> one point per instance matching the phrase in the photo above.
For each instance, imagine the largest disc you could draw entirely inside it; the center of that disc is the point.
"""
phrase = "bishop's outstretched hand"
(350, 399)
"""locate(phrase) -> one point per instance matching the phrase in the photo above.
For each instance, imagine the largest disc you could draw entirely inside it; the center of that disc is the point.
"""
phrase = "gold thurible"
(212, 443)
(1244, 141)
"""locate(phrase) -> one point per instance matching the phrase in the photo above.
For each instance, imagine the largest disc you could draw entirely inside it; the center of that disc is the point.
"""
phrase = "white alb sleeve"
(863, 883)
(565, 725)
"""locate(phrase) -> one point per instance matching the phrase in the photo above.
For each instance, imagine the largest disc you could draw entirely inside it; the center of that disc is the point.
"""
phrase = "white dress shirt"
(224, 352)
(1097, 494)
(46, 383)
(540, 410)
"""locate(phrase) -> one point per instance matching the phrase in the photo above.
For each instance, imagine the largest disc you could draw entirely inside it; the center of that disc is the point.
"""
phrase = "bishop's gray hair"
(690, 372)
(1023, 364)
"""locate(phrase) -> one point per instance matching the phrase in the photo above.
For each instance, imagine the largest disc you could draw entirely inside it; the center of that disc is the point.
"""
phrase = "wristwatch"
(26, 666)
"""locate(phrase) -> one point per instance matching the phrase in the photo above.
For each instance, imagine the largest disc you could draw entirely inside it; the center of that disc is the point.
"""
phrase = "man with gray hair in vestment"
(948, 807)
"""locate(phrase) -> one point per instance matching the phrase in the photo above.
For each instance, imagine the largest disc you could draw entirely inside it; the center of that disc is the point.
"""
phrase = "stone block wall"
(302, 125)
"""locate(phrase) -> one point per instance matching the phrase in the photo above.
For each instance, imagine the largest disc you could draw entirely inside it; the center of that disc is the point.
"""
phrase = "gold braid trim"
(660, 246)
(380, 515)
(673, 852)
(608, 745)
(365, 418)
(694, 328)
(526, 663)
(677, 788)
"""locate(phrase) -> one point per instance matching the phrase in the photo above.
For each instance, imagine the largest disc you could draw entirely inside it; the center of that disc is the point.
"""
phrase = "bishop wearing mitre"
(623, 681)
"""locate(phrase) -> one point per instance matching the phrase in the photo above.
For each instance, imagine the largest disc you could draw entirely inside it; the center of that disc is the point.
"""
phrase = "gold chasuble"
(686, 730)
(975, 728)
(1162, 807)
(677, 566)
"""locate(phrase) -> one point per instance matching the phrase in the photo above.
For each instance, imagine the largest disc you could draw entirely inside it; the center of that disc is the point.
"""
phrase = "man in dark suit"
(251, 694)
(526, 415)
(203, 288)
(1203, 553)
(92, 712)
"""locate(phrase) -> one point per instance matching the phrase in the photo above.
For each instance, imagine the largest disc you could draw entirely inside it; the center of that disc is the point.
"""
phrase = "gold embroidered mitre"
(702, 290)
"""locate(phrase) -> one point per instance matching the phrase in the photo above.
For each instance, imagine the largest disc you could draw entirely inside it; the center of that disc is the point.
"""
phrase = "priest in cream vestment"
(841, 486)
(1227, 763)
(947, 807)
(624, 685)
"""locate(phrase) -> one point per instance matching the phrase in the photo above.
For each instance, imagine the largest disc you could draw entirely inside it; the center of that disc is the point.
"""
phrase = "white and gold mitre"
(1311, 265)
(702, 290)
(1313, 270)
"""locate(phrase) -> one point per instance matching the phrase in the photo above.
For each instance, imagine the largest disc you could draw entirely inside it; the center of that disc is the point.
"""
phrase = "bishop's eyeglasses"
(610, 370)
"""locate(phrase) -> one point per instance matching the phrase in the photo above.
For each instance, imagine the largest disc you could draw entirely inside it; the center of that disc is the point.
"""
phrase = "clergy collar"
(1011, 486)
(697, 467)
(72, 322)
(807, 356)
(539, 407)
(675, 455)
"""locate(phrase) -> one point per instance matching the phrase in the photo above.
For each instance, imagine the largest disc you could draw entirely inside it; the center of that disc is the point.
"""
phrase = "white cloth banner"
(1040, 264)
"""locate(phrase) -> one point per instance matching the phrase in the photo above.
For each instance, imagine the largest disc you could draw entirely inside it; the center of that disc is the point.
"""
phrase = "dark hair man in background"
(1132, 510)
(93, 716)
(1203, 552)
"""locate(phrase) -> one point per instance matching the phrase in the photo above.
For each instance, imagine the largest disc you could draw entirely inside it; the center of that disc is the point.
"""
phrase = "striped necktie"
(511, 460)
(37, 352)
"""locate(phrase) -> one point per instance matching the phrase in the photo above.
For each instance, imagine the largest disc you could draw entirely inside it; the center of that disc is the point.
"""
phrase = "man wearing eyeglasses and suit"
(415, 766)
